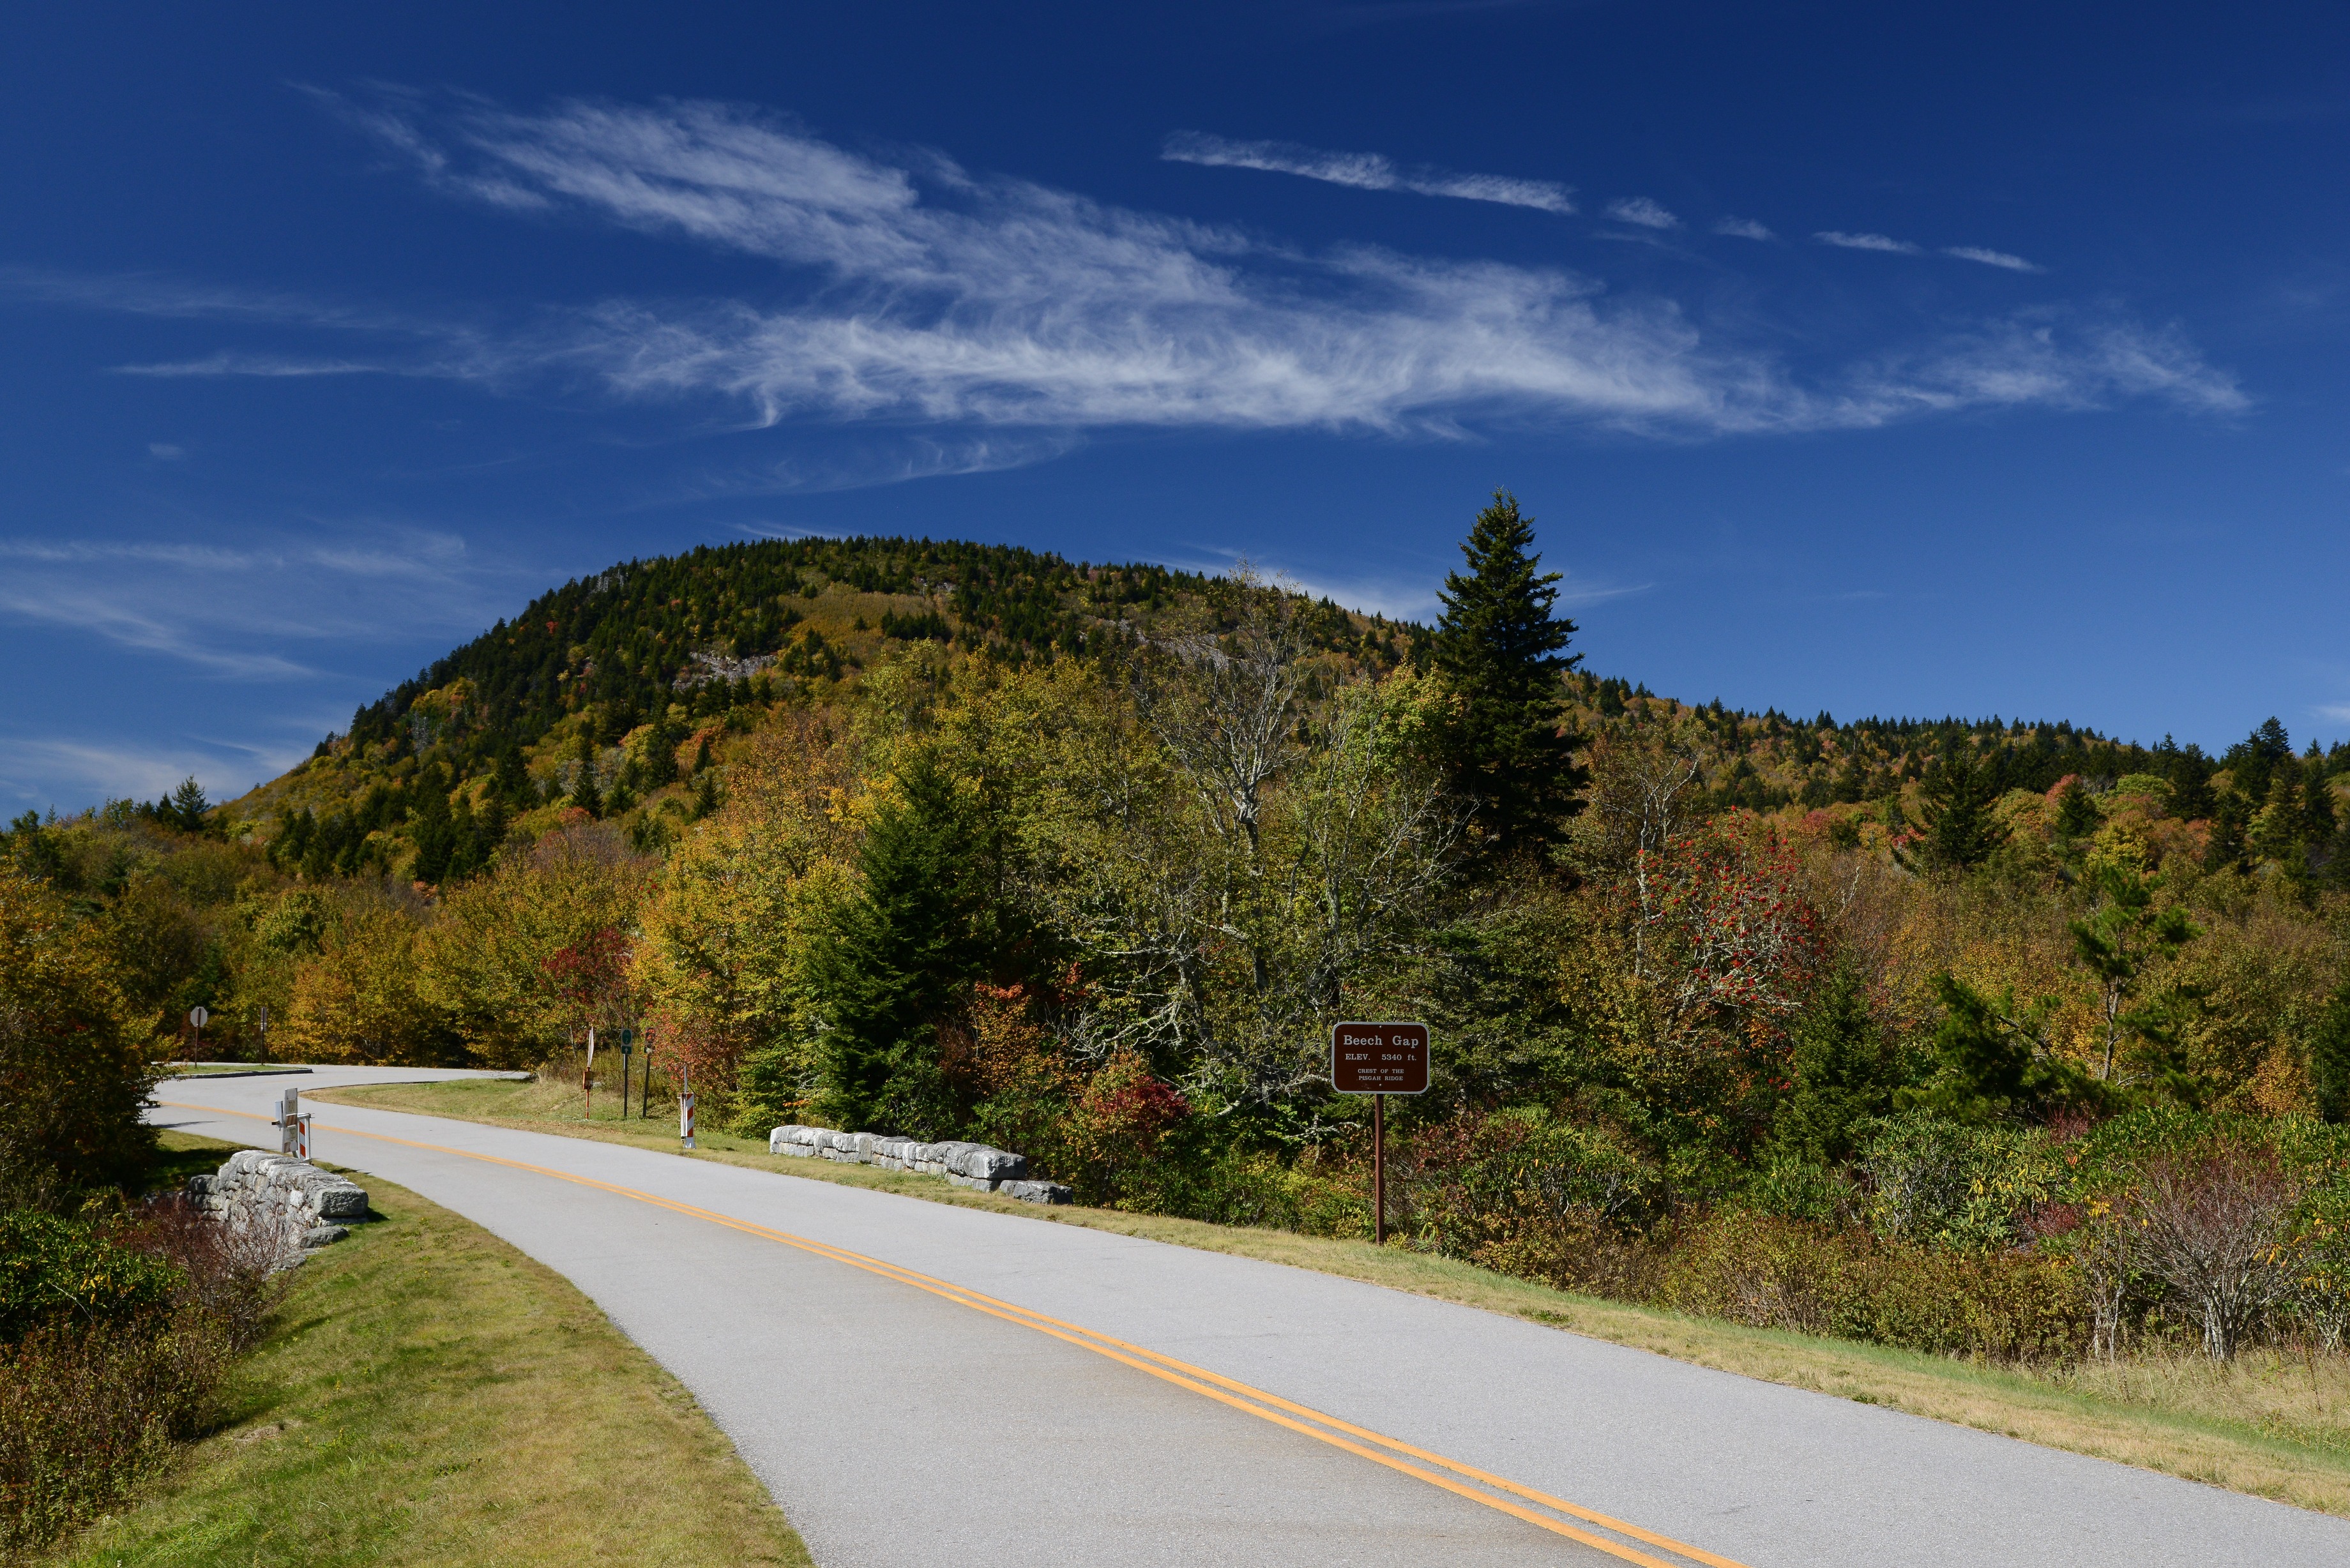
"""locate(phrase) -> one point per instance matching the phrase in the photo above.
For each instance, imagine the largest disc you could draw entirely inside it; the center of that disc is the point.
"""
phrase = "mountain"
(618, 694)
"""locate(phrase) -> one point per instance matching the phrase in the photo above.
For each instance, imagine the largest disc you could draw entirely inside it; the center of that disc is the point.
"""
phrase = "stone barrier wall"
(972, 1165)
(291, 1197)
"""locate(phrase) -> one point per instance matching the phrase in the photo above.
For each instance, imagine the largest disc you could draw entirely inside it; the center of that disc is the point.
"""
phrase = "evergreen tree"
(2118, 942)
(2251, 761)
(2227, 849)
(892, 963)
(432, 827)
(584, 794)
(184, 807)
(2076, 812)
(2329, 1057)
(1501, 654)
(1843, 1074)
(1955, 810)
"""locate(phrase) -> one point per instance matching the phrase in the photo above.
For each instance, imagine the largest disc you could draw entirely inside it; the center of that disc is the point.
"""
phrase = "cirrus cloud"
(1365, 171)
(910, 291)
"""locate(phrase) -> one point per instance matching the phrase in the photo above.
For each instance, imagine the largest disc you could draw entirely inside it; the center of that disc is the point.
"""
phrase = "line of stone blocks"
(291, 1198)
(970, 1165)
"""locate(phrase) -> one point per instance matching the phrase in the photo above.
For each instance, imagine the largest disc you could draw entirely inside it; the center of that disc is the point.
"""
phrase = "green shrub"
(1775, 1273)
(1934, 1182)
(1531, 1194)
(53, 1270)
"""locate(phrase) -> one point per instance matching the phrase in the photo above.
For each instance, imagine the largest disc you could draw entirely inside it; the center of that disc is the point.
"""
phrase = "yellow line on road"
(1224, 1390)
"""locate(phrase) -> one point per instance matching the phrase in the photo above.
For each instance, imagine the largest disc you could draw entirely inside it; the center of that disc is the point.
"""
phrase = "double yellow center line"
(1539, 1508)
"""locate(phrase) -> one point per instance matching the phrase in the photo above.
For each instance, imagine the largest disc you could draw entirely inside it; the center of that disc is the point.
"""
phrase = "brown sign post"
(1379, 1059)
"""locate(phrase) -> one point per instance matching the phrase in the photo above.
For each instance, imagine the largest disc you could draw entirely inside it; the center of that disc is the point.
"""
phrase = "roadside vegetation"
(2006, 1042)
(427, 1395)
(2273, 1421)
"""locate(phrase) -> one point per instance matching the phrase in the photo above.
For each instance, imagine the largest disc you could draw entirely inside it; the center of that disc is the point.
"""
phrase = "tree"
(2117, 942)
(184, 807)
(1996, 1062)
(2076, 811)
(74, 1056)
(893, 962)
(1842, 1075)
(1501, 654)
(2329, 1057)
(1955, 809)
(584, 794)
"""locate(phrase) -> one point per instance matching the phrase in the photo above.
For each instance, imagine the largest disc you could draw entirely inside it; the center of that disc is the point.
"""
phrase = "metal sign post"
(263, 1016)
(645, 1083)
(588, 1081)
(628, 1049)
(1379, 1059)
(685, 1111)
(197, 1019)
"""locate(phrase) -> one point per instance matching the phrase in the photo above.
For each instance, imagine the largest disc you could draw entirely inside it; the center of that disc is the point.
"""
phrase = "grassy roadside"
(2271, 1426)
(432, 1396)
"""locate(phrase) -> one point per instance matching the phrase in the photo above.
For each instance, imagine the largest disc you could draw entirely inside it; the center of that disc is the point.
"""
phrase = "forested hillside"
(1914, 1031)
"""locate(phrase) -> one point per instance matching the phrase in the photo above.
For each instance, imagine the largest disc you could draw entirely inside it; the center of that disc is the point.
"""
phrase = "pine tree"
(2076, 812)
(891, 963)
(185, 807)
(1843, 1074)
(1954, 808)
(2329, 1057)
(584, 794)
(1501, 654)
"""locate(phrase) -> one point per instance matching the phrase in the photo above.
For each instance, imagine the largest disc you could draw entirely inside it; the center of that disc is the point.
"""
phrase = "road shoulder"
(432, 1396)
(2268, 1450)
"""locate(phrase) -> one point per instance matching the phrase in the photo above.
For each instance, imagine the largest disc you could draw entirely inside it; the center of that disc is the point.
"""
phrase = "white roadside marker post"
(290, 1137)
(685, 1111)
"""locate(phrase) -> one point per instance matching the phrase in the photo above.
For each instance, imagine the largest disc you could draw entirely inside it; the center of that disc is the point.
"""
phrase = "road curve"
(917, 1382)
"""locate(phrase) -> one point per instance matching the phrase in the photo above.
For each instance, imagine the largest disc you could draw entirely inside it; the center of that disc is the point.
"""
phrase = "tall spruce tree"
(1502, 653)
(892, 963)
(1955, 808)
(1843, 1074)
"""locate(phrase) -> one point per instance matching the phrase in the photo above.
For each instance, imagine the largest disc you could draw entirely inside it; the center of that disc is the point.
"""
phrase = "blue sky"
(1898, 360)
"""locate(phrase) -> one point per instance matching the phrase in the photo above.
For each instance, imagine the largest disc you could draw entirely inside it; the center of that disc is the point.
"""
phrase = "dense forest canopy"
(960, 840)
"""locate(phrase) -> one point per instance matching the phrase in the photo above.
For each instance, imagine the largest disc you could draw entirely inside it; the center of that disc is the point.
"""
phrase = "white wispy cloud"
(64, 772)
(2337, 711)
(1365, 171)
(1743, 229)
(2049, 359)
(914, 295)
(1643, 212)
(1891, 246)
(242, 612)
(1868, 242)
(227, 364)
(1991, 258)
(166, 451)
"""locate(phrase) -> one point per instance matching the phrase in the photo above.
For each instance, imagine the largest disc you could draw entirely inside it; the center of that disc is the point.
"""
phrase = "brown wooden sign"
(1379, 1058)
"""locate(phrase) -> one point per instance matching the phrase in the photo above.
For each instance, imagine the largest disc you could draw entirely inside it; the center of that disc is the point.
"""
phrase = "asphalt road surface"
(927, 1386)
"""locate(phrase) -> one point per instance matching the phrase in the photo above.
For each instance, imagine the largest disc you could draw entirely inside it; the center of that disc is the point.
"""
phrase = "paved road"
(921, 1385)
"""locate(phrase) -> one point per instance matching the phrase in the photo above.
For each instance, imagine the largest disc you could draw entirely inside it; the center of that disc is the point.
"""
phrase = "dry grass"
(432, 1396)
(2271, 1426)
